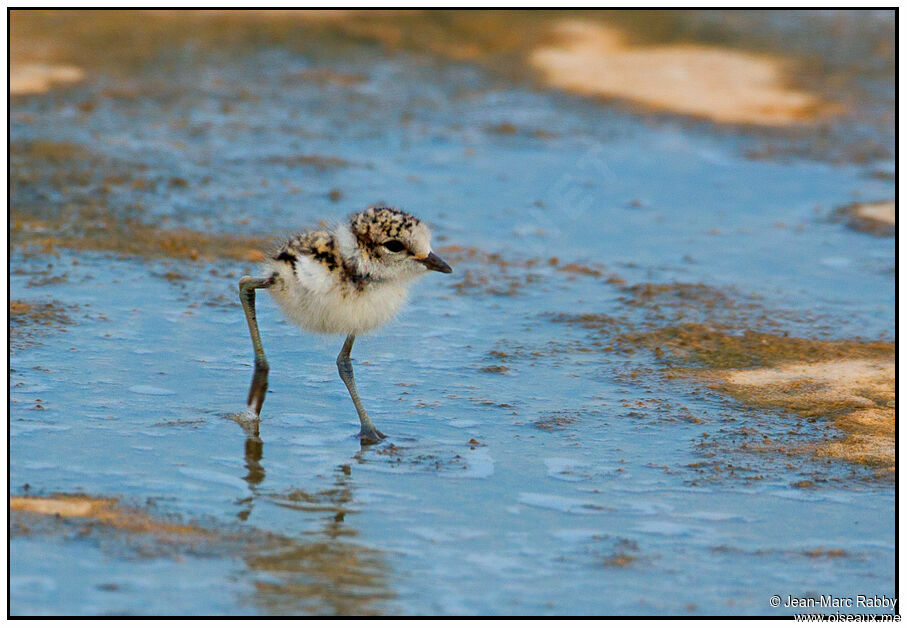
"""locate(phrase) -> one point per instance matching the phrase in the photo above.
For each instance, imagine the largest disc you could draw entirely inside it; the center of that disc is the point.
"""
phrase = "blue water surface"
(476, 509)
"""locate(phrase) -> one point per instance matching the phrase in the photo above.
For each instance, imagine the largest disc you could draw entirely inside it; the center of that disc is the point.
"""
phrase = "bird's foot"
(370, 437)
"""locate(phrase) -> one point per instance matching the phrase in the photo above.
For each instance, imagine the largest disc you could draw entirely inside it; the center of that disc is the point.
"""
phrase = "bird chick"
(348, 280)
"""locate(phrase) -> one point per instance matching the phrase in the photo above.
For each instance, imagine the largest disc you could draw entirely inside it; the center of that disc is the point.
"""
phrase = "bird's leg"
(259, 387)
(369, 433)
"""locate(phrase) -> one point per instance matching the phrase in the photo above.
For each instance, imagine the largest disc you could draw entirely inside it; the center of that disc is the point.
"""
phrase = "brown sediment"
(113, 40)
(25, 312)
(28, 319)
(132, 237)
(290, 576)
(319, 162)
(624, 554)
(599, 322)
(619, 560)
(504, 128)
(670, 302)
(580, 269)
(508, 128)
(327, 76)
(814, 553)
(333, 500)
(876, 218)
(850, 383)
(490, 273)
(713, 347)
(556, 422)
(92, 220)
(708, 333)
(691, 293)
(720, 84)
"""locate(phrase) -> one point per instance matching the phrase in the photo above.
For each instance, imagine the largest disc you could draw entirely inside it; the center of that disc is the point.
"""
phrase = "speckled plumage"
(346, 280)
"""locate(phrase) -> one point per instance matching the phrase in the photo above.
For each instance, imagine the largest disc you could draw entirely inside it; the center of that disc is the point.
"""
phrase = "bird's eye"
(395, 246)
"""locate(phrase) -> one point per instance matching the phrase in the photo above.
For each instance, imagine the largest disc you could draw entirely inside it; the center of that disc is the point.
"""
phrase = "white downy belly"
(312, 300)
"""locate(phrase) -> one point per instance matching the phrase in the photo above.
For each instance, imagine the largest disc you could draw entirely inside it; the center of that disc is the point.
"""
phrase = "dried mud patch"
(321, 575)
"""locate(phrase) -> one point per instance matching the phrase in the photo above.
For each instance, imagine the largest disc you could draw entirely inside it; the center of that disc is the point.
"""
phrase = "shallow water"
(477, 508)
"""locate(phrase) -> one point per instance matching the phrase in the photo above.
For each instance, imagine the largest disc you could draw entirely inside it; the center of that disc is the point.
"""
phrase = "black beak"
(433, 262)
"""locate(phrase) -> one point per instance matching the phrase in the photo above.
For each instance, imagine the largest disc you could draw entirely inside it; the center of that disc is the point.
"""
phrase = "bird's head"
(394, 244)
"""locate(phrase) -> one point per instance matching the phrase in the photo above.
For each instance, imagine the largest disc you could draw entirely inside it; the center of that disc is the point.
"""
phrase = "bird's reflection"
(323, 572)
(255, 471)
